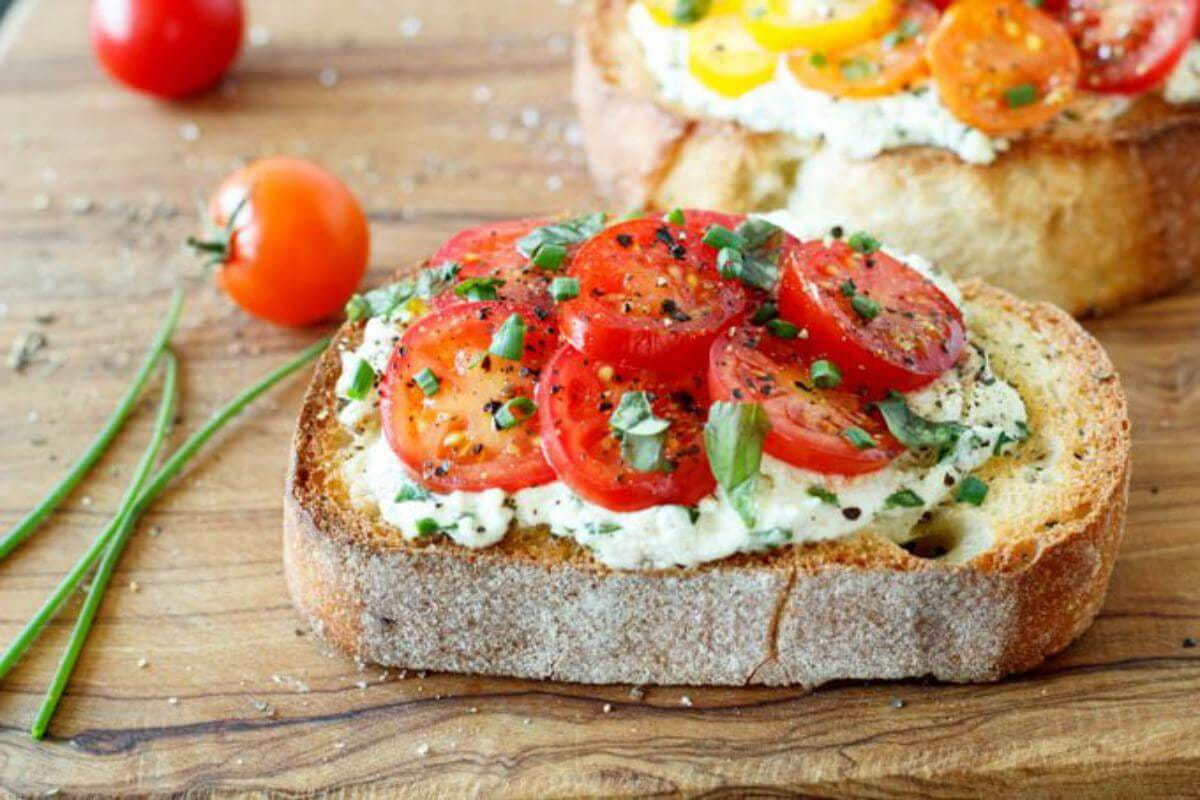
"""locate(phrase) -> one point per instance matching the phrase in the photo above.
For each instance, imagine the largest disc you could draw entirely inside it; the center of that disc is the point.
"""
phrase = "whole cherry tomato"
(290, 240)
(167, 48)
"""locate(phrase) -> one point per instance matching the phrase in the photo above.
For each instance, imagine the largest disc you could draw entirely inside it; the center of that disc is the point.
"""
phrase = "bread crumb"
(142, 663)
(685, 701)
(173, 701)
(134, 586)
(328, 77)
(896, 702)
(637, 692)
(423, 749)
(607, 708)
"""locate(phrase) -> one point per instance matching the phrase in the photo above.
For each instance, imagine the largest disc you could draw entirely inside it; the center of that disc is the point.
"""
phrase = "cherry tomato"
(490, 251)
(649, 296)
(167, 48)
(700, 220)
(809, 426)
(1130, 46)
(817, 24)
(723, 56)
(1001, 65)
(290, 240)
(576, 399)
(882, 66)
(883, 323)
(459, 416)
(668, 12)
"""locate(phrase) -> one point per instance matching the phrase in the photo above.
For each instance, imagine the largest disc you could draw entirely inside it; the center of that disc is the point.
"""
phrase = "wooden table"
(438, 123)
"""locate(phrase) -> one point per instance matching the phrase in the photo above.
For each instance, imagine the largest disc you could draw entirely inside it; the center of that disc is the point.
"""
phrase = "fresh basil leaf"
(645, 453)
(916, 432)
(635, 415)
(769, 538)
(566, 232)
(905, 498)
(733, 438)
(382, 302)
(435, 280)
(742, 498)
(410, 491)
(757, 232)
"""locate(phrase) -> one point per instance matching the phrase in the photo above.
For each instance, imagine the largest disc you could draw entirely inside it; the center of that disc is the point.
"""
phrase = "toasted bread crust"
(1091, 217)
(539, 607)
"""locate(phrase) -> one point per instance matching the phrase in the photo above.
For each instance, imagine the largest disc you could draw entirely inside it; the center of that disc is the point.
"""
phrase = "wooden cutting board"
(439, 119)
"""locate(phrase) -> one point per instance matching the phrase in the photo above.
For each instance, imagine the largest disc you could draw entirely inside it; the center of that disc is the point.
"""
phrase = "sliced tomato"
(1130, 46)
(883, 323)
(576, 398)
(1001, 65)
(881, 66)
(817, 24)
(698, 220)
(723, 56)
(490, 251)
(650, 296)
(809, 426)
(452, 438)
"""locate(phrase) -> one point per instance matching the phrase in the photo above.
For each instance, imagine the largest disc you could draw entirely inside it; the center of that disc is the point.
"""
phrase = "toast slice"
(1089, 215)
(978, 593)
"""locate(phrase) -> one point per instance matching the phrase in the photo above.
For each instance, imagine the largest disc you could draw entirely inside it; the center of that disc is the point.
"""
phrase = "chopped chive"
(905, 498)
(1024, 94)
(848, 288)
(685, 12)
(765, 313)
(863, 242)
(479, 288)
(782, 329)
(859, 438)
(971, 490)
(825, 374)
(822, 494)
(865, 307)
(427, 526)
(514, 412)
(564, 289)
(818, 60)
(509, 339)
(362, 382)
(428, 382)
(549, 257)
(675, 217)
(721, 237)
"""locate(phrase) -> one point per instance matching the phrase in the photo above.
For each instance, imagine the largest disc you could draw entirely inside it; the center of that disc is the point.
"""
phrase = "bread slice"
(1022, 575)
(1091, 216)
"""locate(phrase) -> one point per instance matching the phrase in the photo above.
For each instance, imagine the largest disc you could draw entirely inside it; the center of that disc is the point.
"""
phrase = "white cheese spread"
(1184, 84)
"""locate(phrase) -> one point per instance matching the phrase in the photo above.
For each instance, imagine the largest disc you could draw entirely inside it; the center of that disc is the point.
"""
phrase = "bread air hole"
(951, 535)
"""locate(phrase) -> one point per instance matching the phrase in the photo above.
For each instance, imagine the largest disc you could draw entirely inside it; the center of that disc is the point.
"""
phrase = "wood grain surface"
(461, 117)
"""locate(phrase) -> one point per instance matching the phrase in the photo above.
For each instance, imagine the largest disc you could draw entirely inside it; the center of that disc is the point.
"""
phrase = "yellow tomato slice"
(817, 25)
(884, 65)
(1002, 66)
(723, 56)
(685, 12)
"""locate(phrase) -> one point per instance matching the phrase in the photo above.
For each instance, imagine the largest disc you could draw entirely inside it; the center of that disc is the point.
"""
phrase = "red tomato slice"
(490, 251)
(808, 425)
(576, 399)
(1130, 46)
(883, 323)
(450, 439)
(700, 220)
(649, 296)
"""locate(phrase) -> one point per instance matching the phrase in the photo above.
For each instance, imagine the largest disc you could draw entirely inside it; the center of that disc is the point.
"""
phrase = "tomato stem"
(218, 243)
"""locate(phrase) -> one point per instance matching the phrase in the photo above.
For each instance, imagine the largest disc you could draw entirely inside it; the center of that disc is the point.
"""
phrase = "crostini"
(1053, 151)
(702, 448)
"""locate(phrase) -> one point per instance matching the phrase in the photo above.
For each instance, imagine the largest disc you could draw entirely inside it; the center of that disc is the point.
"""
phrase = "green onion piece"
(411, 491)
(125, 527)
(765, 313)
(566, 232)
(177, 461)
(549, 257)
(971, 490)
(428, 382)
(30, 522)
(848, 288)
(509, 339)
(905, 498)
(686, 12)
(479, 288)
(362, 382)
(783, 329)
(865, 307)
(675, 217)
(859, 438)
(733, 439)
(822, 494)
(818, 60)
(562, 289)
(514, 412)
(825, 374)
(1024, 94)
(427, 526)
(757, 232)
(720, 237)
(863, 242)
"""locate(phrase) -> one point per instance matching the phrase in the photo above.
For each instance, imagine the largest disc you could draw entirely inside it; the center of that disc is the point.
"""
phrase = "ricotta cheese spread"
(794, 505)
(1184, 84)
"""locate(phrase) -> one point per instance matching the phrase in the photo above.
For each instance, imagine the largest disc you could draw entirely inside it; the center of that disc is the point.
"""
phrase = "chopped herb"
(858, 69)
(765, 313)
(720, 237)
(564, 289)
(685, 12)
(825, 374)
(693, 514)
(410, 491)
(428, 526)
(905, 498)
(560, 234)
(479, 288)
(733, 438)
(1024, 94)
(757, 232)
(863, 242)
(601, 528)
(768, 539)
(818, 60)
(749, 269)
(514, 412)
(865, 307)
(509, 339)
(428, 382)
(549, 257)
(436, 280)
(743, 253)
(675, 217)
(859, 438)
(782, 329)
(381, 302)
(362, 382)
(916, 432)
(822, 494)
(908, 30)
(643, 435)
(971, 490)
